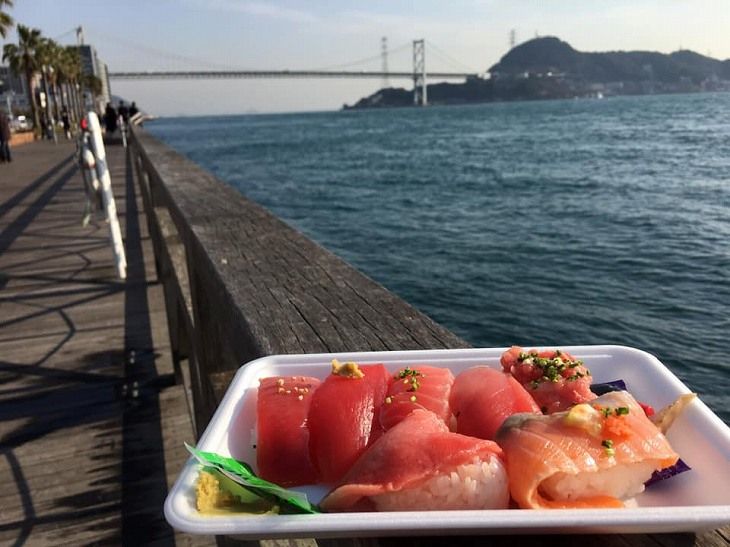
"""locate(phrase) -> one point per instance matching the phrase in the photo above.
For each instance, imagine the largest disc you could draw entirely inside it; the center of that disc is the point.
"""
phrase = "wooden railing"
(241, 284)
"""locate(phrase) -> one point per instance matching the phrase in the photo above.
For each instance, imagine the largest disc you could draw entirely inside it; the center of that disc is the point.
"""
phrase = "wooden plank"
(87, 454)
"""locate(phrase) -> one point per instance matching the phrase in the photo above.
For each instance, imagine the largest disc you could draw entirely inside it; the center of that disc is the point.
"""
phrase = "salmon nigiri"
(420, 465)
(597, 454)
(483, 397)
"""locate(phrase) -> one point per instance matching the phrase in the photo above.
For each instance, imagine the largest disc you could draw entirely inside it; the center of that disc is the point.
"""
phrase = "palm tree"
(23, 59)
(72, 71)
(6, 21)
(49, 59)
(93, 84)
(64, 77)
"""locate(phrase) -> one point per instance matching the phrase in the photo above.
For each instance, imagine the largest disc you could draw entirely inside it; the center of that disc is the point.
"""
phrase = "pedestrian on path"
(4, 138)
(110, 119)
(66, 123)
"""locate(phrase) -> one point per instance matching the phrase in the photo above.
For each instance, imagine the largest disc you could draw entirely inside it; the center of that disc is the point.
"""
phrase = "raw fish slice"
(595, 455)
(554, 378)
(415, 387)
(483, 397)
(418, 465)
(344, 419)
(282, 444)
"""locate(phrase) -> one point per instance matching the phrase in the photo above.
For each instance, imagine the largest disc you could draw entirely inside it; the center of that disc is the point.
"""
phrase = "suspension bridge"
(419, 75)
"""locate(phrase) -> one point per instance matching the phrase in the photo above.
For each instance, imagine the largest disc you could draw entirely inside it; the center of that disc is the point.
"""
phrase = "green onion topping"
(607, 445)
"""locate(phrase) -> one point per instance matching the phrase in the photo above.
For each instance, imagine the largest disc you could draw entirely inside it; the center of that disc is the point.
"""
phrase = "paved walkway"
(91, 419)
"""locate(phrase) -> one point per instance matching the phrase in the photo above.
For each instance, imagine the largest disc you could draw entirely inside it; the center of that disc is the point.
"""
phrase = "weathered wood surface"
(91, 421)
(258, 287)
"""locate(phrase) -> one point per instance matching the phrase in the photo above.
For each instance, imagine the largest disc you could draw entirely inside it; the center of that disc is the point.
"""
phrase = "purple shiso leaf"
(668, 472)
(607, 387)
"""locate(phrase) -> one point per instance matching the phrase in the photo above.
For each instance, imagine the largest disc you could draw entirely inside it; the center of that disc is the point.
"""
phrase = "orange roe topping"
(616, 427)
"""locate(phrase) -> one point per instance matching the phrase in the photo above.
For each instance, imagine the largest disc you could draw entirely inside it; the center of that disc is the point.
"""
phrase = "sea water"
(534, 223)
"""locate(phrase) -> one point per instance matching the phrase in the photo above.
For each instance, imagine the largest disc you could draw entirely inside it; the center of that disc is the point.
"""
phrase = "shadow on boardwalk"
(91, 422)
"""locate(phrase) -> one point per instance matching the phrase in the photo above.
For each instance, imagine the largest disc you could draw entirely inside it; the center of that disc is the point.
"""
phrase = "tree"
(93, 84)
(6, 22)
(23, 59)
(70, 76)
(49, 59)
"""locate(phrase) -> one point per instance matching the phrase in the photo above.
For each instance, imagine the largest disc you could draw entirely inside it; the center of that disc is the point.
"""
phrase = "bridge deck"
(91, 420)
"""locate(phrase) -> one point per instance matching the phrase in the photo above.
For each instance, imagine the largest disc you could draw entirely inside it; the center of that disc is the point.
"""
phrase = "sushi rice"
(622, 482)
(475, 485)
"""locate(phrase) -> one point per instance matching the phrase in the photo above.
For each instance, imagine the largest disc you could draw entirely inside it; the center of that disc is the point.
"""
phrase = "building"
(91, 64)
(13, 92)
(106, 92)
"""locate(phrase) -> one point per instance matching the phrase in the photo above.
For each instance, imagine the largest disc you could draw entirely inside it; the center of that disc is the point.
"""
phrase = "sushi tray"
(695, 500)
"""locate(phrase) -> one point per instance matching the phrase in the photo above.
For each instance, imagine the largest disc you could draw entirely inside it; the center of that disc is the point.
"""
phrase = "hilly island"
(548, 68)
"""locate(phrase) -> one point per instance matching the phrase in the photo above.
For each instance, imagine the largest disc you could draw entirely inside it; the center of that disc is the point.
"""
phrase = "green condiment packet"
(241, 493)
(241, 473)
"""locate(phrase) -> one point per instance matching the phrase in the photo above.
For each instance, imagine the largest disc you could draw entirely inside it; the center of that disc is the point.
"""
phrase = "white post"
(102, 172)
(91, 181)
(123, 129)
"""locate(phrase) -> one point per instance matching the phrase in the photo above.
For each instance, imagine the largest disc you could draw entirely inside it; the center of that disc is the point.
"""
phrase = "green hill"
(550, 54)
(548, 68)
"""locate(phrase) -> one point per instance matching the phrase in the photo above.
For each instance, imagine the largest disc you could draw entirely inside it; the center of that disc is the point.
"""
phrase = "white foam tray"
(693, 501)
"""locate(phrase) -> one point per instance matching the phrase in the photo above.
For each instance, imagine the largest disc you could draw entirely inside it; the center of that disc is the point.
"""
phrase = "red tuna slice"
(282, 444)
(406, 469)
(344, 419)
(415, 387)
(483, 397)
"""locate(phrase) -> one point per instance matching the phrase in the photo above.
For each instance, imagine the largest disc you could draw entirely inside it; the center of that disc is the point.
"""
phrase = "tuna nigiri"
(483, 397)
(419, 465)
(344, 417)
(597, 454)
(419, 386)
(554, 378)
(282, 451)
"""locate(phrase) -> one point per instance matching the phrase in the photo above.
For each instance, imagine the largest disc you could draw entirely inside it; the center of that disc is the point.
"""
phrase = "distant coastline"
(548, 68)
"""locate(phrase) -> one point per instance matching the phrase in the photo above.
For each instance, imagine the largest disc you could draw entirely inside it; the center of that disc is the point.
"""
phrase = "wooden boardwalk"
(91, 418)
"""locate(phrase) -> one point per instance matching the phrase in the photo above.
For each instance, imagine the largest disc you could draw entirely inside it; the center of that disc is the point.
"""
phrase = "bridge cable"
(71, 31)
(445, 56)
(364, 60)
(166, 55)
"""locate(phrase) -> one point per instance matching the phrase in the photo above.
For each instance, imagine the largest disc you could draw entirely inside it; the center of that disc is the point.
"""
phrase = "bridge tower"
(419, 73)
(384, 59)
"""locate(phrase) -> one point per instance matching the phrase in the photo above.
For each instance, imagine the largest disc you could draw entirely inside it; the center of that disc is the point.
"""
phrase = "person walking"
(66, 123)
(123, 112)
(110, 119)
(4, 138)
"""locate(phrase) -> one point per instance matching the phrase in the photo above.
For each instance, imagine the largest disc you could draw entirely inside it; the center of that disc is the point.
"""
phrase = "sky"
(461, 35)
